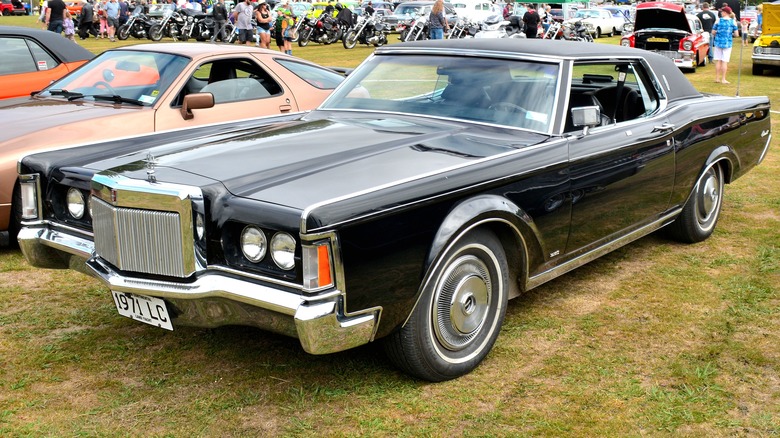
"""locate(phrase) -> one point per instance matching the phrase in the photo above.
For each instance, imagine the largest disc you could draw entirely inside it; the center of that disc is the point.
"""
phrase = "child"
(745, 25)
(69, 27)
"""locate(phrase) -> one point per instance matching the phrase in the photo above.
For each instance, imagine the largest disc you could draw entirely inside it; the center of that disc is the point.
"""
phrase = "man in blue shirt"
(112, 18)
(722, 40)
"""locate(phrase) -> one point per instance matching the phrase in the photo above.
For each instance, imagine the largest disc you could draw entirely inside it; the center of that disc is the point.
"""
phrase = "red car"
(666, 29)
(33, 58)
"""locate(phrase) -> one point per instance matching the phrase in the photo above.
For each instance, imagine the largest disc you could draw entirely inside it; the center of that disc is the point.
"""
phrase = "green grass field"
(657, 338)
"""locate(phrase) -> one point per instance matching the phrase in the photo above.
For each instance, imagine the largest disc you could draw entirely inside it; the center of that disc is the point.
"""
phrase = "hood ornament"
(151, 162)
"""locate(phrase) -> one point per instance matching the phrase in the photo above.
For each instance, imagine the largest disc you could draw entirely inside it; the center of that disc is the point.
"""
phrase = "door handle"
(663, 128)
(285, 108)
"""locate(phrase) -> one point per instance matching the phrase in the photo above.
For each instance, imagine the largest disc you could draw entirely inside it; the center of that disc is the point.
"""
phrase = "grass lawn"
(657, 338)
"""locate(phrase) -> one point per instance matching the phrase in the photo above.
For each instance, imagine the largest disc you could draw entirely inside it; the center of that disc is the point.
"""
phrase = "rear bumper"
(219, 296)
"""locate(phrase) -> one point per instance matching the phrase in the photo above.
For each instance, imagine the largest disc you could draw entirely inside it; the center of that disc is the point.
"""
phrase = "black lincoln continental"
(441, 179)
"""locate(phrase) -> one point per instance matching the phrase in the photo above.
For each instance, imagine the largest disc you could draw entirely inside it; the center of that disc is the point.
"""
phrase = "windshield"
(411, 10)
(587, 14)
(496, 91)
(131, 75)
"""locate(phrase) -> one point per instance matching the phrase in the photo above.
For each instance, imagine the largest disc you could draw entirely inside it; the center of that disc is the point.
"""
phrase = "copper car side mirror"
(195, 101)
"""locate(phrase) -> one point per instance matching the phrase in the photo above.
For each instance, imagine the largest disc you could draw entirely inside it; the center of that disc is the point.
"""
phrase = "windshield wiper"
(109, 97)
(68, 94)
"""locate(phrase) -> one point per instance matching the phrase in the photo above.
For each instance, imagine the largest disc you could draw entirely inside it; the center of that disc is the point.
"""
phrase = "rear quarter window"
(315, 76)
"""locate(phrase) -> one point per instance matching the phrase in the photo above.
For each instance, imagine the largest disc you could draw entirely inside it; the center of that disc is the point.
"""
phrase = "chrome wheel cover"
(708, 197)
(462, 302)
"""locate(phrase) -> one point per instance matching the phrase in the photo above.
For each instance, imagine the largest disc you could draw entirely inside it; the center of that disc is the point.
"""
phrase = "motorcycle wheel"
(350, 39)
(124, 32)
(230, 31)
(155, 32)
(303, 38)
(404, 34)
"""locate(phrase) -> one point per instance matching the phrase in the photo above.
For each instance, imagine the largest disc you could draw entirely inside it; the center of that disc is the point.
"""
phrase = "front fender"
(513, 226)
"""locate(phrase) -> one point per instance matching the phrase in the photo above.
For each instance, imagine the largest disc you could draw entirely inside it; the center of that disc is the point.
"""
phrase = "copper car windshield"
(121, 76)
(496, 91)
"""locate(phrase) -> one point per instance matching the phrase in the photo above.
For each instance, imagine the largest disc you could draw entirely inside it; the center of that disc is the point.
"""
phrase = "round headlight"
(199, 226)
(76, 203)
(253, 243)
(687, 45)
(283, 250)
(625, 43)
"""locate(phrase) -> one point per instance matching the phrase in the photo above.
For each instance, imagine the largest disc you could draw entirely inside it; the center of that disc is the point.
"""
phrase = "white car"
(599, 22)
(476, 10)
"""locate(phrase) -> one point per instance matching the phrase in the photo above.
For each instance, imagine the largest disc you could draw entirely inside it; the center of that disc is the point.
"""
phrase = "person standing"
(369, 10)
(531, 20)
(722, 39)
(263, 18)
(68, 26)
(102, 19)
(55, 13)
(86, 21)
(124, 12)
(437, 22)
(708, 19)
(44, 6)
(112, 18)
(242, 14)
(220, 18)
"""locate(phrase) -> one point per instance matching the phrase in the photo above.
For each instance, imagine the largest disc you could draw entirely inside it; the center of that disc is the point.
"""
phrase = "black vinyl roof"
(60, 47)
(674, 82)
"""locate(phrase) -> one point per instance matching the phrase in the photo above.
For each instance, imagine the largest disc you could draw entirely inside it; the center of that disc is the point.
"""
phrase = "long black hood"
(324, 157)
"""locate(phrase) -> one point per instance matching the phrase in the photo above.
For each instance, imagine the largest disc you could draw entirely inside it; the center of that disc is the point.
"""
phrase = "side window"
(599, 84)
(22, 56)
(314, 76)
(231, 80)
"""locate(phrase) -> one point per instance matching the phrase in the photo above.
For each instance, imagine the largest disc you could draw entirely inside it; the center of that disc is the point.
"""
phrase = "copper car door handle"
(285, 108)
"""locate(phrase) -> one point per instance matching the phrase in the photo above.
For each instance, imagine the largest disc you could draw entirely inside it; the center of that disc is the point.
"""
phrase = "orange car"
(74, 7)
(33, 58)
(136, 90)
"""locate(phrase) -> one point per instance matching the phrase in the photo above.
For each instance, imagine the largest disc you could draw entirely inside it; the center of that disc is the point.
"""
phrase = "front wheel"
(350, 39)
(303, 38)
(697, 220)
(598, 32)
(460, 312)
(124, 32)
(156, 32)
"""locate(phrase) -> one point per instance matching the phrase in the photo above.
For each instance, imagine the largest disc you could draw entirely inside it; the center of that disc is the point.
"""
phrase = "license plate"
(658, 40)
(148, 310)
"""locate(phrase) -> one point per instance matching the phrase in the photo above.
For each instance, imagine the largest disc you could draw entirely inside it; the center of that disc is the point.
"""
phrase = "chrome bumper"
(773, 60)
(216, 298)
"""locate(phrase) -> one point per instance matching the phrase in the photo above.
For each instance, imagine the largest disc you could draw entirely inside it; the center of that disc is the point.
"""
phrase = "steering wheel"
(105, 85)
(510, 111)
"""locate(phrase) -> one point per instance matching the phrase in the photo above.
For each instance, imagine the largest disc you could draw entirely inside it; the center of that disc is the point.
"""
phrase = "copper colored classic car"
(150, 88)
(666, 29)
(439, 180)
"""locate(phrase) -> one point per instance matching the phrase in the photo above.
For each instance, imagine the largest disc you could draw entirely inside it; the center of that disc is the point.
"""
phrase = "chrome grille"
(671, 54)
(139, 240)
(769, 50)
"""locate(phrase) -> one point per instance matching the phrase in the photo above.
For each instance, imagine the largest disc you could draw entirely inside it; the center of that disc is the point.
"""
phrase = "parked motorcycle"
(417, 30)
(369, 30)
(496, 27)
(138, 26)
(463, 28)
(577, 31)
(199, 25)
(323, 30)
(170, 26)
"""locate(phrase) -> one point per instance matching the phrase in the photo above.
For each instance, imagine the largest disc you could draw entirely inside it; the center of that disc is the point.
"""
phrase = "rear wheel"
(697, 220)
(460, 312)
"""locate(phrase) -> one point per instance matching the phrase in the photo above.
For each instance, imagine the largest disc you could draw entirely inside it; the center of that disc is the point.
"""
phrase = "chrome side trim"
(595, 253)
(766, 149)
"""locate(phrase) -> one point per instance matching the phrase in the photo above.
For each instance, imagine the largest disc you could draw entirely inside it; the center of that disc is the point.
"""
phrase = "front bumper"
(217, 297)
(772, 60)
